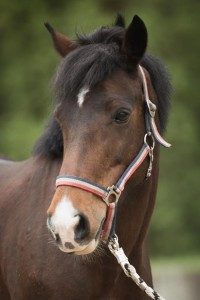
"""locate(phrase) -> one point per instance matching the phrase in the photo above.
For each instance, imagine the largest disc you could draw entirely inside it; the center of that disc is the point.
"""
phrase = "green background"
(28, 62)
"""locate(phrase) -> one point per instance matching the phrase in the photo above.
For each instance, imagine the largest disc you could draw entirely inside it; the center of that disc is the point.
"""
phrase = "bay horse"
(97, 128)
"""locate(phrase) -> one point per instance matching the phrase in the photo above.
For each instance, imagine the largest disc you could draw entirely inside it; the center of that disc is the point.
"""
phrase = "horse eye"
(122, 116)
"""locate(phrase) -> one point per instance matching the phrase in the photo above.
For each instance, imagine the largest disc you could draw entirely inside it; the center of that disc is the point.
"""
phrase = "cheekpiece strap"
(134, 165)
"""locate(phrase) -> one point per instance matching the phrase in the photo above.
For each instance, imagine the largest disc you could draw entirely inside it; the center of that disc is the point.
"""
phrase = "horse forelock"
(85, 67)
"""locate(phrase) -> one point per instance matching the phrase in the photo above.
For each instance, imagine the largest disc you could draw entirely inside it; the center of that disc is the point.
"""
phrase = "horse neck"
(44, 172)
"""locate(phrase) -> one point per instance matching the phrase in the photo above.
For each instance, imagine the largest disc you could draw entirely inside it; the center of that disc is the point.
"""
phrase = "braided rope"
(130, 270)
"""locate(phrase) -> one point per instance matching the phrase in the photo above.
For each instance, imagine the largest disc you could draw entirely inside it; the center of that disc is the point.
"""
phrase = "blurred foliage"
(28, 63)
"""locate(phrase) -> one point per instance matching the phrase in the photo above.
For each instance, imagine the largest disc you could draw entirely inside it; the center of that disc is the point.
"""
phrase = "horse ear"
(61, 43)
(135, 41)
(119, 21)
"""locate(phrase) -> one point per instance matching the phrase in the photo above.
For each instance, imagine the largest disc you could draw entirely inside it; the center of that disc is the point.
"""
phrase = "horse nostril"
(51, 227)
(57, 238)
(82, 229)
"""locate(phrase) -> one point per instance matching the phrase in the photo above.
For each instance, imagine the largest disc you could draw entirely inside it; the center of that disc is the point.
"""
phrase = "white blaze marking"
(63, 222)
(81, 96)
(64, 219)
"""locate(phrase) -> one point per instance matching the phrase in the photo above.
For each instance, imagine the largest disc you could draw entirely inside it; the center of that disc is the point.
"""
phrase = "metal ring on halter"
(149, 135)
(112, 192)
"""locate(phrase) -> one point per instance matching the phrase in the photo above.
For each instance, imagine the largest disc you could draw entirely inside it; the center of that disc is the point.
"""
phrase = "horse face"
(102, 132)
(103, 127)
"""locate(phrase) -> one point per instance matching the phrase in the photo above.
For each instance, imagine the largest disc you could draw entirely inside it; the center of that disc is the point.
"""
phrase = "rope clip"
(113, 243)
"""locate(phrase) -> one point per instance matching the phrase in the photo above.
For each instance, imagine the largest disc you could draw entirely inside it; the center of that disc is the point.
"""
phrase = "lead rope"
(130, 270)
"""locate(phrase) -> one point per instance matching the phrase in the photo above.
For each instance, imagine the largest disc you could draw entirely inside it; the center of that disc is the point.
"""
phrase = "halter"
(111, 195)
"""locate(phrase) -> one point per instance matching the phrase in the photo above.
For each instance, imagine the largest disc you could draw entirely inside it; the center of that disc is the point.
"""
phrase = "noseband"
(111, 195)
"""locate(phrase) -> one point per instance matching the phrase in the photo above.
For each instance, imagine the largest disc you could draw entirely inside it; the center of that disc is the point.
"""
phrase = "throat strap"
(151, 110)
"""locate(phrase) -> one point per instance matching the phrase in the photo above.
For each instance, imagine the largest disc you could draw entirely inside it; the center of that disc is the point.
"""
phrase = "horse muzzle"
(73, 231)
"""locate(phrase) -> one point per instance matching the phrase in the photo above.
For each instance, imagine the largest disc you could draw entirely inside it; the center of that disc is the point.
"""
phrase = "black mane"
(97, 57)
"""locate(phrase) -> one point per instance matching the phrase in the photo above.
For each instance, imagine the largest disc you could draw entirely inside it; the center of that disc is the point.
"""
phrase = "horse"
(53, 240)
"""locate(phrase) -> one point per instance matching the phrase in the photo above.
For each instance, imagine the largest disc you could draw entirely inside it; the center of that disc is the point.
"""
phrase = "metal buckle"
(112, 191)
(151, 148)
(152, 108)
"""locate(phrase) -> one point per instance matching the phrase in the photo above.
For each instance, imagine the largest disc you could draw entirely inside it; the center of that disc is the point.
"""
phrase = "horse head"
(100, 108)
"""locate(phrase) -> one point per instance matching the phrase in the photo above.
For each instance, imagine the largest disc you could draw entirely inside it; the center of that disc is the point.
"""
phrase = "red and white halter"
(110, 195)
